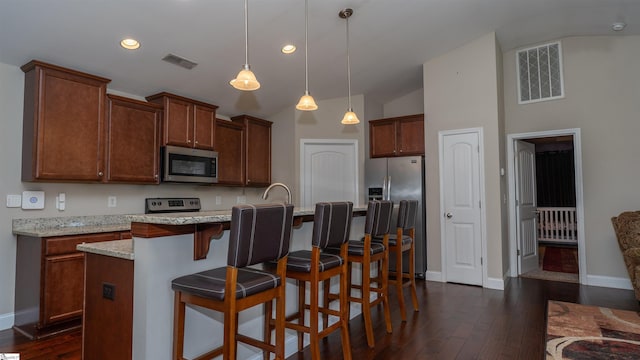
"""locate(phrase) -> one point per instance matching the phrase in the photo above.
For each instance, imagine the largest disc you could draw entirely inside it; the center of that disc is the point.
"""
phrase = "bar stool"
(331, 228)
(405, 231)
(367, 252)
(258, 233)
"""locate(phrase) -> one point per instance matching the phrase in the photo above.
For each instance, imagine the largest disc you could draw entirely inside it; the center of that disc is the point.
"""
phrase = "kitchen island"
(166, 246)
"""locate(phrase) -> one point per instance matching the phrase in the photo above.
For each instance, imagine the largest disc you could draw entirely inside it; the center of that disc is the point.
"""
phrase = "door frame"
(577, 157)
(483, 218)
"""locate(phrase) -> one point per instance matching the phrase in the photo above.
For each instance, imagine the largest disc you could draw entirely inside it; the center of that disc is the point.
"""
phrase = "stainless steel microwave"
(187, 165)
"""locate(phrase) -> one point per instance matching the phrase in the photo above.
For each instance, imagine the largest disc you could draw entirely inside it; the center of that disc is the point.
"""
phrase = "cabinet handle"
(100, 173)
(188, 141)
(155, 176)
(196, 141)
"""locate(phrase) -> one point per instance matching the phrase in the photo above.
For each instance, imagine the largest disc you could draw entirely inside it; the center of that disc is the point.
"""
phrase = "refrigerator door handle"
(384, 187)
(389, 187)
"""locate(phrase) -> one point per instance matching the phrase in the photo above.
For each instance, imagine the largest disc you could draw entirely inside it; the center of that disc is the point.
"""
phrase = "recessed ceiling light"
(618, 26)
(130, 44)
(288, 49)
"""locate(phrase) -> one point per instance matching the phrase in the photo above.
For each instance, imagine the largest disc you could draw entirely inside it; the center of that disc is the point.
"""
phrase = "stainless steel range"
(170, 205)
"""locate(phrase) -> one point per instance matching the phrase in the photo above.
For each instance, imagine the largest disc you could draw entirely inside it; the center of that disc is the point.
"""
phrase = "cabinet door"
(382, 138)
(231, 156)
(64, 125)
(133, 141)
(178, 126)
(258, 153)
(411, 135)
(204, 126)
(63, 288)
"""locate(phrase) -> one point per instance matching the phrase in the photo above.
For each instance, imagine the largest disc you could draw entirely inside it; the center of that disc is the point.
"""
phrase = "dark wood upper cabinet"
(231, 152)
(63, 125)
(186, 122)
(257, 135)
(399, 136)
(133, 140)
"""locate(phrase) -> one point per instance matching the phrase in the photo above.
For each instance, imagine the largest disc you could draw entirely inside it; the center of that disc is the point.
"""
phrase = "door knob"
(449, 215)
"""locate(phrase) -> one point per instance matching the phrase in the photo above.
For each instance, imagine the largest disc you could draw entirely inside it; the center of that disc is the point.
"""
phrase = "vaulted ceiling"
(390, 40)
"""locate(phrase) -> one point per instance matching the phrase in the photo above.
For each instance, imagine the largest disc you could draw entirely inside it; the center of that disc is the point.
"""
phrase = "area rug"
(560, 259)
(583, 332)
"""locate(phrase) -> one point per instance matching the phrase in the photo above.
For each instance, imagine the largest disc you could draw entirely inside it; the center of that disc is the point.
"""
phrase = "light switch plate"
(14, 201)
(32, 200)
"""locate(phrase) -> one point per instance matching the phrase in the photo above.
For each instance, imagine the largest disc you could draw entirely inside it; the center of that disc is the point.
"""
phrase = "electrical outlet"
(241, 199)
(218, 200)
(108, 291)
(112, 201)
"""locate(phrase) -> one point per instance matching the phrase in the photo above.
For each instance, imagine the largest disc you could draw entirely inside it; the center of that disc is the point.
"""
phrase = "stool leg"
(280, 320)
(412, 272)
(301, 302)
(313, 317)
(399, 281)
(344, 314)
(178, 326)
(366, 300)
(325, 296)
(268, 313)
(385, 289)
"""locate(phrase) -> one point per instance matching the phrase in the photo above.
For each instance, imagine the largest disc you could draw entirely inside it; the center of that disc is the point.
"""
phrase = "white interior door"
(329, 171)
(460, 189)
(526, 205)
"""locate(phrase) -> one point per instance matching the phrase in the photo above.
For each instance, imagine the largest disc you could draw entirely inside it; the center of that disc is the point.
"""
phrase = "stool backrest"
(378, 221)
(259, 233)
(331, 224)
(407, 214)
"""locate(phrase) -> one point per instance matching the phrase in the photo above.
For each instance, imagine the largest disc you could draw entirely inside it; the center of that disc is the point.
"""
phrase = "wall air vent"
(540, 73)
(180, 61)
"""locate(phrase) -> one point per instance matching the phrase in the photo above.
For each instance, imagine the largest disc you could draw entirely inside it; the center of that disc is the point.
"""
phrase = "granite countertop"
(122, 249)
(77, 225)
(72, 225)
(201, 217)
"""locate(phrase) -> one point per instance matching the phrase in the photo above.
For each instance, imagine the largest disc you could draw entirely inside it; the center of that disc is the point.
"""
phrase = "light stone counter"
(122, 249)
(201, 217)
(72, 225)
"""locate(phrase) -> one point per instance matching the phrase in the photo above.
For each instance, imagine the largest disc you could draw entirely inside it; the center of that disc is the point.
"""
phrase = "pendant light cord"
(306, 42)
(348, 66)
(246, 33)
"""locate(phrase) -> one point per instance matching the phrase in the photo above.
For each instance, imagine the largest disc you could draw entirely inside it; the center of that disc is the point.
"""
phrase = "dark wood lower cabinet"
(107, 330)
(50, 281)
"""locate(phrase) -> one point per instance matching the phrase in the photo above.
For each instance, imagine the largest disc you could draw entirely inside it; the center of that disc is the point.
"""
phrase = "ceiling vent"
(180, 61)
(540, 73)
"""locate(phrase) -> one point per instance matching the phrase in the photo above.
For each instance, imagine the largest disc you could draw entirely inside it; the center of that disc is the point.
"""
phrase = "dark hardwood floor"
(454, 322)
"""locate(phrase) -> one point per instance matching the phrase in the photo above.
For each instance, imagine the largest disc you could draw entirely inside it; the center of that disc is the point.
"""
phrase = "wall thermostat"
(33, 200)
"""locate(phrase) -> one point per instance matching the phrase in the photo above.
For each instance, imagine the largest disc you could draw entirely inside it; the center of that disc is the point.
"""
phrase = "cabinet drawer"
(67, 244)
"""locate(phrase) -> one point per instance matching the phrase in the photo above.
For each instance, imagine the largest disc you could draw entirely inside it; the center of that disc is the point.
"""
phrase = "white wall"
(461, 91)
(409, 104)
(602, 83)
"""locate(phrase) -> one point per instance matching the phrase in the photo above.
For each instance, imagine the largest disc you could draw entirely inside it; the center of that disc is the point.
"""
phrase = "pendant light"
(306, 102)
(349, 117)
(246, 80)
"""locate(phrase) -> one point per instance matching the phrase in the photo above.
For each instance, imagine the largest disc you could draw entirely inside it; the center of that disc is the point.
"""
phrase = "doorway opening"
(559, 235)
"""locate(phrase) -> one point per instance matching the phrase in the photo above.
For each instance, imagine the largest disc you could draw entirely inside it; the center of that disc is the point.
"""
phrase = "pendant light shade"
(306, 102)
(246, 80)
(350, 117)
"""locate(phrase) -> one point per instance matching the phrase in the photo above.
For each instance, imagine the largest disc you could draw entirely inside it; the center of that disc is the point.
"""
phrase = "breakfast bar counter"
(164, 247)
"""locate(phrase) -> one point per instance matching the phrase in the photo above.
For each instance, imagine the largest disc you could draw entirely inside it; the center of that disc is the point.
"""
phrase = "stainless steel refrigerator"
(395, 179)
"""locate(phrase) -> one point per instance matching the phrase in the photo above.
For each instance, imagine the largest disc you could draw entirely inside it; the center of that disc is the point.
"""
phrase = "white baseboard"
(609, 281)
(6, 321)
(433, 276)
(494, 283)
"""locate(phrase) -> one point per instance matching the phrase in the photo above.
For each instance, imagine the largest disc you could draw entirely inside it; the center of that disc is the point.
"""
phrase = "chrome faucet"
(266, 191)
